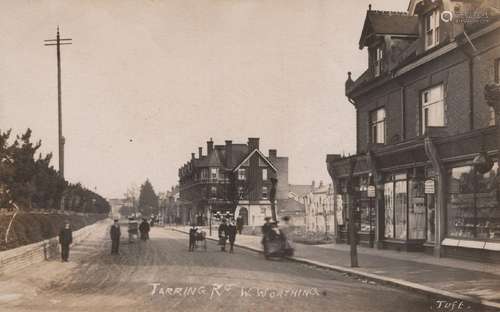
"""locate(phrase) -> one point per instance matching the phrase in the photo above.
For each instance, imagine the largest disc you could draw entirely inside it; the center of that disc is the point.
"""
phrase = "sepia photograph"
(249, 155)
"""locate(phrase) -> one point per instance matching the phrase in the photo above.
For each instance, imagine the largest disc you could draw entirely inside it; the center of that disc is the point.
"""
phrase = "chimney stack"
(229, 154)
(313, 184)
(210, 146)
(253, 143)
(200, 152)
(192, 155)
(273, 155)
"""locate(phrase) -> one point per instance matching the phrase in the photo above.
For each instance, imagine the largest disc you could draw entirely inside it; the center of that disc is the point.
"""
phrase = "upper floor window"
(432, 29)
(241, 192)
(214, 173)
(242, 174)
(204, 174)
(264, 192)
(264, 174)
(377, 126)
(213, 192)
(433, 107)
(492, 121)
(377, 62)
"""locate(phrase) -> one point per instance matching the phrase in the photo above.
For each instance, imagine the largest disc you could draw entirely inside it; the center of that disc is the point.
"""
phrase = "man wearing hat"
(65, 240)
(223, 233)
(266, 230)
(115, 234)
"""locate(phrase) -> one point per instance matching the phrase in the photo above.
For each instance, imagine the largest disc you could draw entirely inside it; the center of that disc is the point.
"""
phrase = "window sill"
(473, 244)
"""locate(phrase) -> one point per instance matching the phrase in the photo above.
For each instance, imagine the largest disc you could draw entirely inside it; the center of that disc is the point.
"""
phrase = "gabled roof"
(261, 156)
(381, 23)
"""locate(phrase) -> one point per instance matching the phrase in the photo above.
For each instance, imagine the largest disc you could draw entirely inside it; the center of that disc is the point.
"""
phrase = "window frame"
(424, 116)
(432, 28)
(264, 174)
(373, 125)
(265, 192)
(242, 174)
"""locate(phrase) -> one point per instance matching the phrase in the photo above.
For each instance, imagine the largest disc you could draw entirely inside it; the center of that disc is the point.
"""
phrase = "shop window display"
(472, 207)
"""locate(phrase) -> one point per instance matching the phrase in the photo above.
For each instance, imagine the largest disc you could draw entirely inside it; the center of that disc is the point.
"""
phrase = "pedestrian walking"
(144, 228)
(239, 224)
(231, 231)
(192, 237)
(115, 234)
(133, 229)
(65, 240)
(223, 233)
(266, 230)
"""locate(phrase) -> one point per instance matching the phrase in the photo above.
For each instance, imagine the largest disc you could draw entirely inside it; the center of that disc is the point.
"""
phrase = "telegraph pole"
(58, 42)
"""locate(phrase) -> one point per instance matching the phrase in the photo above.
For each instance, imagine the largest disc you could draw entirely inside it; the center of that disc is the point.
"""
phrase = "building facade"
(319, 209)
(231, 178)
(424, 176)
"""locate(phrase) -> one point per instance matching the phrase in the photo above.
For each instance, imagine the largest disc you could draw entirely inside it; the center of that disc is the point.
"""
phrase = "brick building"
(231, 176)
(426, 137)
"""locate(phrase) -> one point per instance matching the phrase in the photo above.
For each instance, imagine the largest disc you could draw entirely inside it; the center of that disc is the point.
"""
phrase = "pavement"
(162, 275)
(444, 277)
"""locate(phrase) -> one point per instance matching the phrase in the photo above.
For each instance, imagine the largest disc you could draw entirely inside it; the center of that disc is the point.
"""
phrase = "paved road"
(199, 281)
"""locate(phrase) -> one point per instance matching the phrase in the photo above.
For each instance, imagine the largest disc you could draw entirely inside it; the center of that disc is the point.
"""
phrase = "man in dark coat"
(144, 229)
(239, 224)
(192, 237)
(223, 233)
(65, 239)
(115, 234)
(266, 231)
(231, 232)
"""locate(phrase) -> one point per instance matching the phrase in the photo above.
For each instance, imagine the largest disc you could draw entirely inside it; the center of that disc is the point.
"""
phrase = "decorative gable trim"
(262, 156)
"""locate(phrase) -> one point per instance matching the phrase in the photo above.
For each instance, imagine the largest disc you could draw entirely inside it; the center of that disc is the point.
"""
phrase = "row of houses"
(425, 173)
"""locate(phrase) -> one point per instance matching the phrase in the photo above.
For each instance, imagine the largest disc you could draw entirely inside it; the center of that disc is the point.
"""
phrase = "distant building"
(319, 212)
(231, 176)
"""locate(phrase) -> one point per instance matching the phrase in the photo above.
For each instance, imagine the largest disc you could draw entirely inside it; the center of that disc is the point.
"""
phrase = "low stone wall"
(18, 258)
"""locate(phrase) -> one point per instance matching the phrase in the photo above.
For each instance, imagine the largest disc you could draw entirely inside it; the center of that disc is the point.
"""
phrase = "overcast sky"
(147, 82)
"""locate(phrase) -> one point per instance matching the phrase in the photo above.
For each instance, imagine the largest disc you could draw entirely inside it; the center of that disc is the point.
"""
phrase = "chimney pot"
(210, 146)
(200, 152)
(253, 143)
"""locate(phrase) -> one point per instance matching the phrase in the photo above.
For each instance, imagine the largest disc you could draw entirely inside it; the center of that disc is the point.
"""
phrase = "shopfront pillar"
(440, 191)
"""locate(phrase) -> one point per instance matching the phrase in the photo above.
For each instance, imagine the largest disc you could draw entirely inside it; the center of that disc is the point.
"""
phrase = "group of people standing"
(227, 231)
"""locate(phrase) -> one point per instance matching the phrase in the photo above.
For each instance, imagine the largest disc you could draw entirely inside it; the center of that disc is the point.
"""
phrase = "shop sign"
(371, 191)
(430, 187)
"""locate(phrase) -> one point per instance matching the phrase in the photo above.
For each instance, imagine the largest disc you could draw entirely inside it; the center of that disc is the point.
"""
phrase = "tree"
(148, 200)
(132, 196)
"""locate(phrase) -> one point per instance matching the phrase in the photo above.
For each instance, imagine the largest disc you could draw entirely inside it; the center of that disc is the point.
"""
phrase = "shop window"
(389, 209)
(400, 203)
(377, 126)
(433, 108)
(416, 210)
(472, 206)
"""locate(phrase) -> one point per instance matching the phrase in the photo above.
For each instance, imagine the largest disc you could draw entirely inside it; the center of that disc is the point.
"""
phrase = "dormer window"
(377, 63)
(432, 29)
